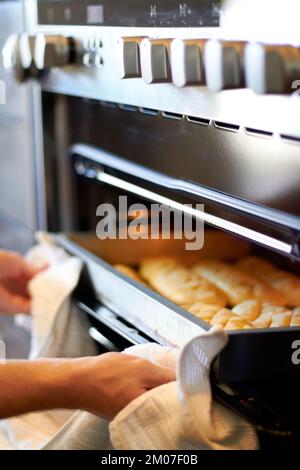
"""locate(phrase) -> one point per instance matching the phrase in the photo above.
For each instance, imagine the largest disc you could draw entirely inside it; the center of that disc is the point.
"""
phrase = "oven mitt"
(182, 415)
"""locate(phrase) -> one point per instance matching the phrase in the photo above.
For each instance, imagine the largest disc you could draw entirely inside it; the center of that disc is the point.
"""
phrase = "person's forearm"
(27, 386)
(102, 385)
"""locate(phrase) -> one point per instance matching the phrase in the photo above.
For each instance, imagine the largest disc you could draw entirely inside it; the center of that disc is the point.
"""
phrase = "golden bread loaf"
(236, 284)
(178, 284)
(214, 315)
(237, 323)
(255, 290)
(221, 317)
(246, 315)
(203, 311)
(285, 282)
(263, 320)
(266, 315)
(295, 319)
(249, 310)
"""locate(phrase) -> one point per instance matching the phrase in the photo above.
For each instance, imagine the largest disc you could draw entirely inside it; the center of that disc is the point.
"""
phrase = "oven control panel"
(217, 64)
(29, 56)
(89, 52)
(200, 60)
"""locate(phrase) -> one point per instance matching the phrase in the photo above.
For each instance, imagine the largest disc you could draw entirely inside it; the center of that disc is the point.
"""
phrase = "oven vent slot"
(176, 116)
(225, 126)
(128, 107)
(149, 111)
(258, 132)
(290, 138)
(197, 120)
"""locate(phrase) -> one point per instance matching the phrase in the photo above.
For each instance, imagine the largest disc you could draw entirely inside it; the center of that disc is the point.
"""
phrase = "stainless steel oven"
(180, 103)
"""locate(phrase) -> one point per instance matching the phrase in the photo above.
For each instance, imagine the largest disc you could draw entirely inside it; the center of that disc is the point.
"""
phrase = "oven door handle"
(104, 159)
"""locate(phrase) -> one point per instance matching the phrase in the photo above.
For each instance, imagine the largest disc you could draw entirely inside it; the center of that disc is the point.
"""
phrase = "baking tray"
(250, 355)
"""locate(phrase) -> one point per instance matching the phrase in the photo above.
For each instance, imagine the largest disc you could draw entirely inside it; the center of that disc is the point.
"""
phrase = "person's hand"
(15, 273)
(102, 385)
(105, 384)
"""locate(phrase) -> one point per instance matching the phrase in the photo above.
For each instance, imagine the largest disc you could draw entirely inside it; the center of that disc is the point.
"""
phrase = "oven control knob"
(128, 57)
(17, 55)
(272, 68)
(224, 64)
(155, 60)
(54, 51)
(187, 62)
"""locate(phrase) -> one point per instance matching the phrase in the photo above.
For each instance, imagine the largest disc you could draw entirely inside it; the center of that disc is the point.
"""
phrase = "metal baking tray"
(250, 355)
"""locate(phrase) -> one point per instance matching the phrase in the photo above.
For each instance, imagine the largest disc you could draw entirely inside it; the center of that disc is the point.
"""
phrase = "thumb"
(13, 303)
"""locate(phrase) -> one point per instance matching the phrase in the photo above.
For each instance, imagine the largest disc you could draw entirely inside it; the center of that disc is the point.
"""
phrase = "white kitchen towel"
(177, 416)
(182, 415)
(58, 329)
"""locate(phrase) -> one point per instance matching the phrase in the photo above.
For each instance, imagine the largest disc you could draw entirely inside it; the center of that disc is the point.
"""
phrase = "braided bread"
(203, 311)
(236, 284)
(285, 282)
(178, 284)
(246, 315)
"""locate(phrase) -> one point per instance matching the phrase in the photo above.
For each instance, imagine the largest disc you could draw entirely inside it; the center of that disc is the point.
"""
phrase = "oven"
(187, 106)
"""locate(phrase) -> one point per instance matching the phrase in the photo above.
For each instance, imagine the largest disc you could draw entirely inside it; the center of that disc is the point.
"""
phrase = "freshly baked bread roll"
(237, 323)
(213, 315)
(267, 315)
(281, 319)
(249, 310)
(286, 283)
(221, 318)
(246, 315)
(263, 320)
(203, 311)
(128, 271)
(295, 319)
(236, 284)
(178, 284)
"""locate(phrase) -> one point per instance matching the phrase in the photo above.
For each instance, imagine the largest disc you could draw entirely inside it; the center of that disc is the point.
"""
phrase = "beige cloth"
(176, 416)
(183, 415)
